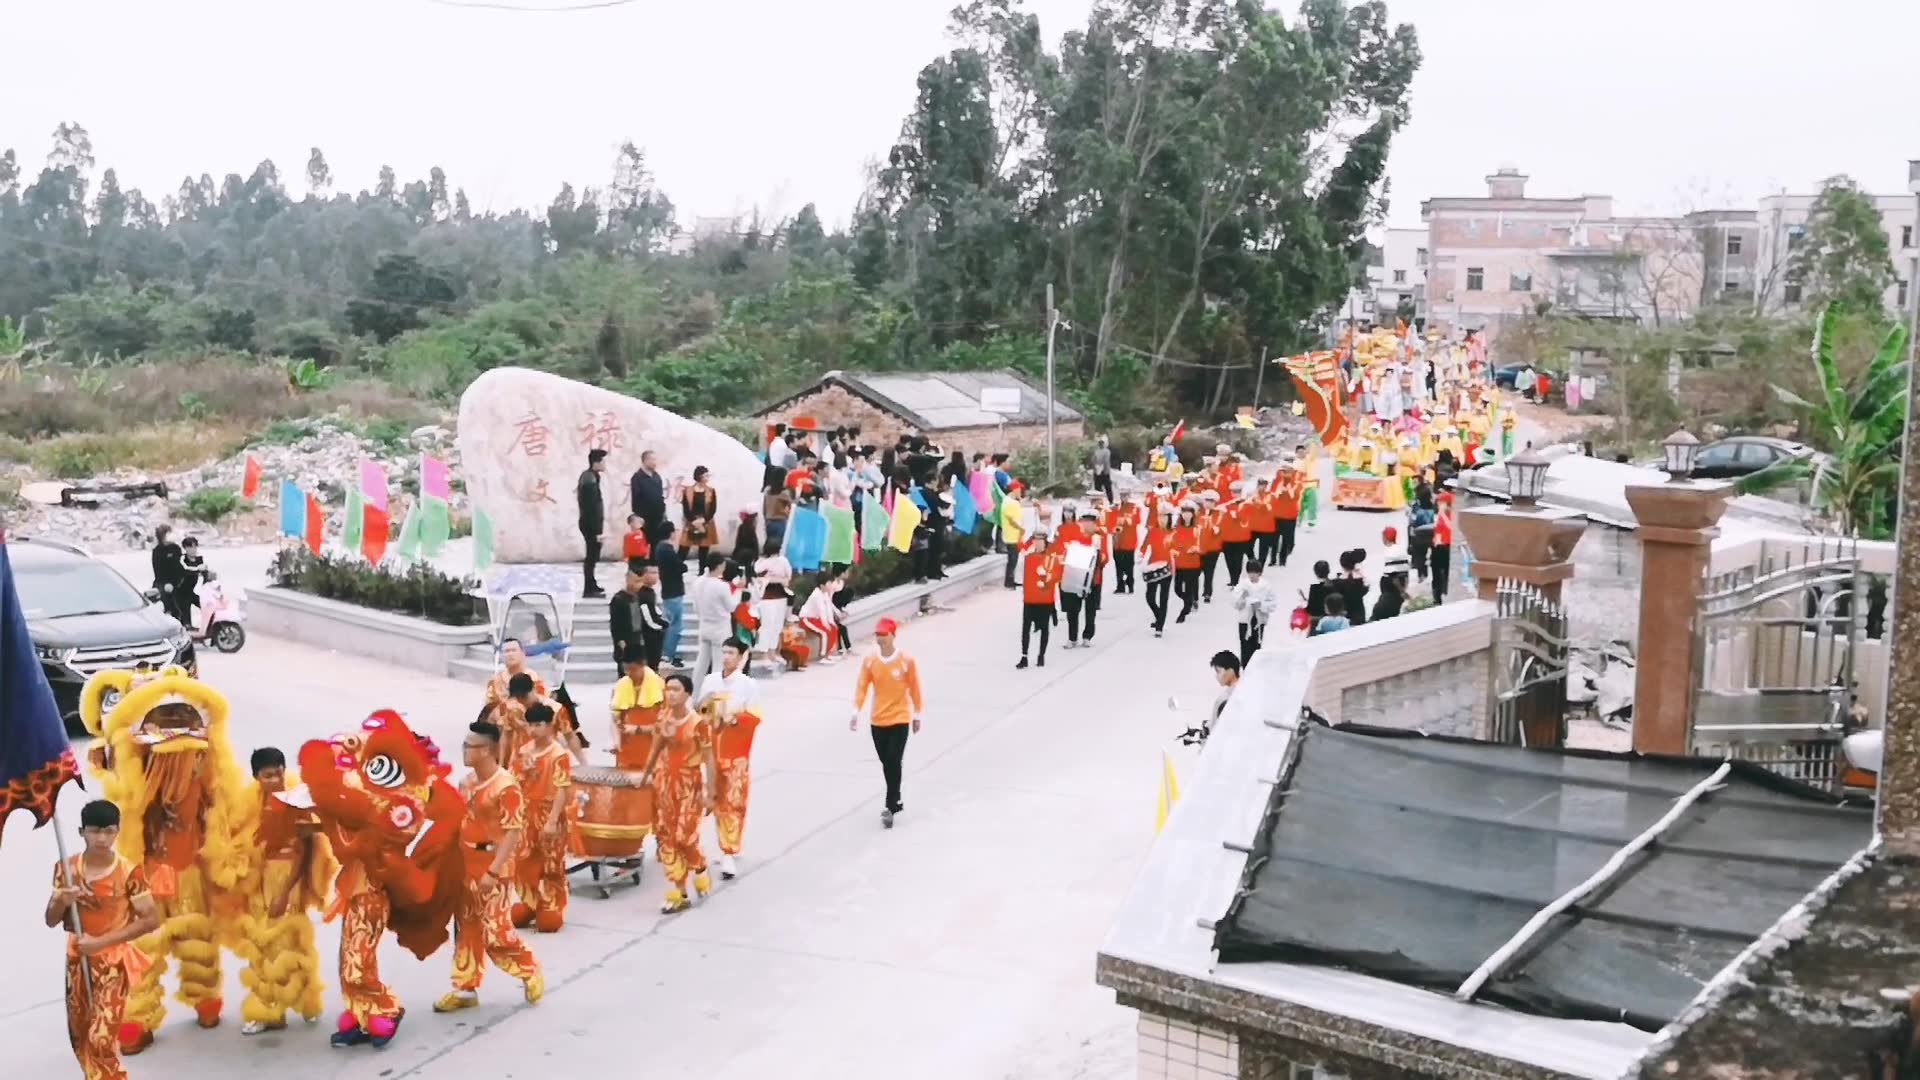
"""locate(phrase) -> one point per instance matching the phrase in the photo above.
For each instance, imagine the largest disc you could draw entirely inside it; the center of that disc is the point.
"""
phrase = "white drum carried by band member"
(1077, 577)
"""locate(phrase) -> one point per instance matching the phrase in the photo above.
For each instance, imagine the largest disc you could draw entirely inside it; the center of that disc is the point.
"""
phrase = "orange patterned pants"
(540, 873)
(676, 823)
(93, 1025)
(730, 804)
(362, 926)
(484, 925)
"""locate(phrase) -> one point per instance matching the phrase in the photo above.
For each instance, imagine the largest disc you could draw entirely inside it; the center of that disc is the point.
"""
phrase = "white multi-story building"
(1782, 222)
(1401, 284)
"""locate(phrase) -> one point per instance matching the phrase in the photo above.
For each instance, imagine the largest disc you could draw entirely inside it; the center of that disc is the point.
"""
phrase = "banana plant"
(1859, 427)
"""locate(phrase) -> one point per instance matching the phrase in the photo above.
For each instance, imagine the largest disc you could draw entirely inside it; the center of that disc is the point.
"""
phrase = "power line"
(484, 5)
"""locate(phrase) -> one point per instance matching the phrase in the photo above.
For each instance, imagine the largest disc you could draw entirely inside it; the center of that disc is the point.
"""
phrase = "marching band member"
(490, 838)
(1186, 559)
(1236, 531)
(635, 704)
(1285, 497)
(1123, 527)
(1212, 541)
(1039, 590)
(1263, 524)
(683, 791)
(730, 698)
(544, 772)
(1156, 569)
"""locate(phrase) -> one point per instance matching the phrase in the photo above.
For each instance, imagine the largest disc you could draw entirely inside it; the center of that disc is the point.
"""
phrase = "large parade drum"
(614, 815)
(1077, 577)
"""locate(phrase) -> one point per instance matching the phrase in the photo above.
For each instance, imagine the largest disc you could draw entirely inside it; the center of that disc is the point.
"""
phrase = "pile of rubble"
(324, 461)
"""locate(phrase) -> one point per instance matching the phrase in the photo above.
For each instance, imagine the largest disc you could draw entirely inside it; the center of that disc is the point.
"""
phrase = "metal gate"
(1529, 686)
(1775, 646)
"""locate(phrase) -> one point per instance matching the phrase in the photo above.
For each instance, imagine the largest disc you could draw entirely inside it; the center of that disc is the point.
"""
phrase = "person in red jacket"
(1289, 488)
(1265, 525)
(1187, 560)
(1123, 525)
(1236, 532)
(1156, 568)
(1212, 541)
(1039, 589)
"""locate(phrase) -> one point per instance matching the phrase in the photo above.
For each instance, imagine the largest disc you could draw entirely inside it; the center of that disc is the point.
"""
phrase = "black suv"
(84, 617)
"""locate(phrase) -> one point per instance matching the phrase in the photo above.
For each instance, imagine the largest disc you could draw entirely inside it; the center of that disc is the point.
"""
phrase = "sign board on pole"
(1004, 400)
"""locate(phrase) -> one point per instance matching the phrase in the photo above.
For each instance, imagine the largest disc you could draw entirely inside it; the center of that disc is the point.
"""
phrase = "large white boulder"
(524, 438)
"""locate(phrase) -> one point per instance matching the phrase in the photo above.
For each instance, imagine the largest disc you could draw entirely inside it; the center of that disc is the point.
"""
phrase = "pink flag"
(980, 486)
(373, 485)
(434, 482)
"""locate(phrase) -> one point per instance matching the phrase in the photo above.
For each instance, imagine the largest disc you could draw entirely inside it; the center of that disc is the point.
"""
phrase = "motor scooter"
(219, 617)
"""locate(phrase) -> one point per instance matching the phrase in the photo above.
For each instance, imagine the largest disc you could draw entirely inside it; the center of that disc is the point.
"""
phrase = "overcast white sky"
(1665, 104)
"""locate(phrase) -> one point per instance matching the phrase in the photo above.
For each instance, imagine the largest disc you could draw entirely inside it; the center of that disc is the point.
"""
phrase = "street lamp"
(1680, 450)
(1526, 479)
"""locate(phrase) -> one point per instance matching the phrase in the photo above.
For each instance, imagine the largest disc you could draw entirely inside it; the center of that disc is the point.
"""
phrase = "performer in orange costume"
(1123, 523)
(1186, 559)
(730, 699)
(544, 772)
(1284, 496)
(291, 874)
(384, 804)
(1156, 566)
(1212, 541)
(103, 900)
(636, 703)
(490, 838)
(682, 794)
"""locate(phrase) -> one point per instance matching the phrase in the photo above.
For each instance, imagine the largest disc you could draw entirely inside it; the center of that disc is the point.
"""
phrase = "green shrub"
(210, 504)
(284, 433)
(418, 589)
(878, 571)
(76, 459)
(9, 490)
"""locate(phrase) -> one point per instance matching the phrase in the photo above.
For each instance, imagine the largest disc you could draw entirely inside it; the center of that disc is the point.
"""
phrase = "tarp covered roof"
(940, 400)
(1415, 859)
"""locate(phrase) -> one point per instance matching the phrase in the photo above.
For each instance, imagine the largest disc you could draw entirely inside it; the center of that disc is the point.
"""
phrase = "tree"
(402, 287)
(319, 176)
(1844, 257)
(388, 188)
(1860, 427)
(639, 215)
(805, 237)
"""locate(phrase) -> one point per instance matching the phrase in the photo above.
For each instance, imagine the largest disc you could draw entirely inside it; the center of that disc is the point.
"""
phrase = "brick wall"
(834, 406)
(1176, 1049)
(990, 440)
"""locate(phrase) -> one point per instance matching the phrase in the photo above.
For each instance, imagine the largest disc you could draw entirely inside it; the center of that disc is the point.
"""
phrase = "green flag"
(482, 539)
(873, 523)
(839, 535)
(409, 546)
(436, 525)
(356, 520)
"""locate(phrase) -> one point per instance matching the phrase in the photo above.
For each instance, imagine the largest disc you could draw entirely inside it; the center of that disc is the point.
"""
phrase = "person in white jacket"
(713, 599)
(1255, 602)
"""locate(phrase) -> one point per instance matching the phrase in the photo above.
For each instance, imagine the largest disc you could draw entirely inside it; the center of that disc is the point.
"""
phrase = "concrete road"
(960, 944)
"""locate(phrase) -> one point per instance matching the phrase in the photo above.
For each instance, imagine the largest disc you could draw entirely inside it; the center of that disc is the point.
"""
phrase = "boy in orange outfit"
(102, 901)
(894, 679)
(1039, 589)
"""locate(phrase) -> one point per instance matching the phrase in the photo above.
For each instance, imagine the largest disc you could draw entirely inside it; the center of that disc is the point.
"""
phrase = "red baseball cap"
(885, 628)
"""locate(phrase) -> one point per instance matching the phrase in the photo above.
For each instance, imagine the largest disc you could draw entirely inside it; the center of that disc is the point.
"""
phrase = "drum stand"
(608, 873)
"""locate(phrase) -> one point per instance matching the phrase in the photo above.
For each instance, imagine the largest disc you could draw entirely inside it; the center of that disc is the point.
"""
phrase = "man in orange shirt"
(1289, 487)
(1124, 526)
(101, 899)
(1212, 541)
(489, 838)
(1039, 589)
(894, 680)
(544, 772)
(1263, 523)
(1236, 532)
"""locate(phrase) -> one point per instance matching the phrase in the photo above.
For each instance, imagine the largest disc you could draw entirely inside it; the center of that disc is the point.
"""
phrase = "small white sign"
(1004, 400)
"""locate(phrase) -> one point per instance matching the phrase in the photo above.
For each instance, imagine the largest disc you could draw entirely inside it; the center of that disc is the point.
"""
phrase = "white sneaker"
(727, 870)
(252, 1027)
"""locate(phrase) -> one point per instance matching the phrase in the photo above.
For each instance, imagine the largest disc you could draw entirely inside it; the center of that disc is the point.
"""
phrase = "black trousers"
(1287, 528)
(1440, 559)
(1070, 606)
(1123, 572)
(1251, 636)
(1237, 553)
(890, 742)
(1013, 563)
(1157, 600)
(590, 585)
(1264, 548)
(1186, 585)
(653, 644)
(1103, 483)
(1035, 617)
(1208, 562)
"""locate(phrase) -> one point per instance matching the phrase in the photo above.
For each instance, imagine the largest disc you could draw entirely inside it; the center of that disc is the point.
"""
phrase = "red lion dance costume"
(383, 799)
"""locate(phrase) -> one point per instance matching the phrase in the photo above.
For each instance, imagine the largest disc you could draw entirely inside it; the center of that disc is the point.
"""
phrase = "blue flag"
(293, 510)
(35, 759)
(806, 538)
(966, 514)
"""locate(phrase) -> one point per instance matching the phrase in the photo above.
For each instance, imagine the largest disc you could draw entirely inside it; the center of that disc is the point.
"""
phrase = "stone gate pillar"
(1530, 544)
(1678, 522)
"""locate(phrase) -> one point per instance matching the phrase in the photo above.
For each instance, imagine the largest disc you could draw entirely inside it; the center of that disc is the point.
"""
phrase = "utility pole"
(1053, 322)
(1259, 377)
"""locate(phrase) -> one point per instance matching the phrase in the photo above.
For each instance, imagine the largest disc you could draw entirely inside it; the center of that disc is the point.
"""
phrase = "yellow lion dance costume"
(163, 759)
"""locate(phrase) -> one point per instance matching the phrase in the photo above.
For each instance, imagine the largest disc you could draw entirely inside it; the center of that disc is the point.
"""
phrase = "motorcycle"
(219, 617)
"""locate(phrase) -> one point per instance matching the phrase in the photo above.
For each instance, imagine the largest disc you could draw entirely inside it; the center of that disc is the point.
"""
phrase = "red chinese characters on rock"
(531, 436)
(536, 492)
(601, 431)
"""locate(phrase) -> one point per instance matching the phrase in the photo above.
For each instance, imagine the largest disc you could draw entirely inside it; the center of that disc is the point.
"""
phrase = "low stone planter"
(903, 602)
(348, 628)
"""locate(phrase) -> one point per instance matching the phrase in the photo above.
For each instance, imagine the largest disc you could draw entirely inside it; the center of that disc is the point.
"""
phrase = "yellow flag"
(906, 518)
(1169, 793)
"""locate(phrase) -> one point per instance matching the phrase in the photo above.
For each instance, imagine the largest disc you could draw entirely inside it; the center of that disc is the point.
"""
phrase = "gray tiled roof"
(940, 400)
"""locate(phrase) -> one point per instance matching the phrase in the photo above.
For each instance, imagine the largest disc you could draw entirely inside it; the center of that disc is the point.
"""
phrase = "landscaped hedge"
(878, 571)
(416, 589)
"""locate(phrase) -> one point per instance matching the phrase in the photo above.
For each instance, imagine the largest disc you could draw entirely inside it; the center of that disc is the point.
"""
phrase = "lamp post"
(1526, 480)
(1679, 450)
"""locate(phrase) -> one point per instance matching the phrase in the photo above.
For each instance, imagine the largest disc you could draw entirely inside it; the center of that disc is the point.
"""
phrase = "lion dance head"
(383, 796)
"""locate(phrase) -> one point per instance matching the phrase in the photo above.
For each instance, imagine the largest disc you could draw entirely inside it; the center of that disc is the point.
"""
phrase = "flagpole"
(73, 910)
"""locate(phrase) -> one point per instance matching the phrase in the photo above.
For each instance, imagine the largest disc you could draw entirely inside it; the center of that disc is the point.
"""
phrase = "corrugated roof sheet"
(944, 400)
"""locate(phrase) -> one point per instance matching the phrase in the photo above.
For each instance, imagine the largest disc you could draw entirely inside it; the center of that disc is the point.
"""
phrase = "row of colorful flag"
(832, 534)
(368, 527)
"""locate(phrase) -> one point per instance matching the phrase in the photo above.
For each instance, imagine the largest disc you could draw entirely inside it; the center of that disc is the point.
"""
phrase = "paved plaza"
(959, 944)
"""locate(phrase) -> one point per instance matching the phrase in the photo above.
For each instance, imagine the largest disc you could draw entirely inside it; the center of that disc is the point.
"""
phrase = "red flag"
(1179, 429)
(316, 524)
(373, 536)
(250, 486)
